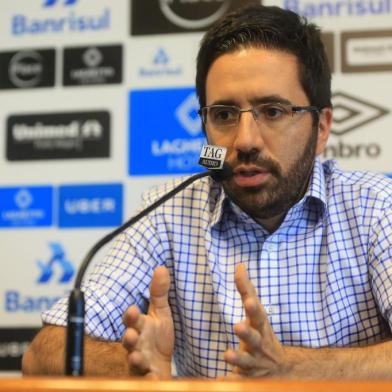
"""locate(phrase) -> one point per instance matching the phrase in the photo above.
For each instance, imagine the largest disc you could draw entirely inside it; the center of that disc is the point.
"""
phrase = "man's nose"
(248, 134)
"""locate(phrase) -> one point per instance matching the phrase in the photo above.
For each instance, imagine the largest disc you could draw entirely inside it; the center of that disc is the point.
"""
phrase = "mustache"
(263, 162)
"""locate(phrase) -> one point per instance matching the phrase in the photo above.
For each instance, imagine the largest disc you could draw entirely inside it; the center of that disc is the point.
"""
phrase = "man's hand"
(260, 353)
(149, 339)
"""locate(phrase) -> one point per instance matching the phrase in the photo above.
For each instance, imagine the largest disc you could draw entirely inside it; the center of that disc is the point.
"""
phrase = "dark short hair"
(270, 28)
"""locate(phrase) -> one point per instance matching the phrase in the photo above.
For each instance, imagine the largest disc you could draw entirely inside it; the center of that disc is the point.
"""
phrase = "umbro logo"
(352, 112)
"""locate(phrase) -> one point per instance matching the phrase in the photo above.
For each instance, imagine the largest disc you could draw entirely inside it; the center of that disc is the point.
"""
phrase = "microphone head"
(221, 174)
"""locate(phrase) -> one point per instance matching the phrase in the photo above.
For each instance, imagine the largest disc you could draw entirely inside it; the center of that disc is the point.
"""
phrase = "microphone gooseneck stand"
(75, 327)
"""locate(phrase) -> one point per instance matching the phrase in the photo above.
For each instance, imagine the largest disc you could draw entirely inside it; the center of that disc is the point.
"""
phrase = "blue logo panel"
(58, 257)
(389, 175)
(98, 205)
(29, 206)
(165, 133)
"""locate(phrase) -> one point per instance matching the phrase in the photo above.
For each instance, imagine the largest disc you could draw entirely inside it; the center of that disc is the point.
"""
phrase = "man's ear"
(324, 128)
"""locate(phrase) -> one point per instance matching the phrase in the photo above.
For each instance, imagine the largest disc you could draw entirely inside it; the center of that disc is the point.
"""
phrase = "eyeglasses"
(273, 115)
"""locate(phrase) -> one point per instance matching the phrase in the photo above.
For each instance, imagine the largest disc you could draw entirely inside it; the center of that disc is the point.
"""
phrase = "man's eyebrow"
(227, 102)
(254, 101)
(270, 99)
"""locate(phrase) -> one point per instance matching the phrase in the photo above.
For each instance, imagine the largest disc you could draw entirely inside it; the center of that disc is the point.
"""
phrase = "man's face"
(271, 165)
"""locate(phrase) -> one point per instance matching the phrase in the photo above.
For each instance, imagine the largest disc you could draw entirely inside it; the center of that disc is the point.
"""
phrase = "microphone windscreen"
(222, 174)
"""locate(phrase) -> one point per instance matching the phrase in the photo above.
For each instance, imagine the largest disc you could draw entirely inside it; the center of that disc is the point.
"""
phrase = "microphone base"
(75, 334)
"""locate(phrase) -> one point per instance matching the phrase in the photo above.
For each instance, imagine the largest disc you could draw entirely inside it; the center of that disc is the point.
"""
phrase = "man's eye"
(223, 114)
(273, 112)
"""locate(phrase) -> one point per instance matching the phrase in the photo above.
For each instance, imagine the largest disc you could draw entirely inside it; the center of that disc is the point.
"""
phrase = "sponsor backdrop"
(97, 104)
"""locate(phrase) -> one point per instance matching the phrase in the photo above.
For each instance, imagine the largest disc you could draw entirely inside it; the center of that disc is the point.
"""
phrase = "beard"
(279, 194)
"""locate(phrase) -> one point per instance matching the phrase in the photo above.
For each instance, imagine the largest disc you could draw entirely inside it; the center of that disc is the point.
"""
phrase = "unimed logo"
(58, 136)
(174, 16)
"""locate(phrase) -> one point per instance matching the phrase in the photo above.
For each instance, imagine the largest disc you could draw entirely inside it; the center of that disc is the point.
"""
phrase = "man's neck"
(271, 224)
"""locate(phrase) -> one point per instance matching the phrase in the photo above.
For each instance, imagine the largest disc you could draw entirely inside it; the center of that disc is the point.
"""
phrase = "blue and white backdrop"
(97, 104)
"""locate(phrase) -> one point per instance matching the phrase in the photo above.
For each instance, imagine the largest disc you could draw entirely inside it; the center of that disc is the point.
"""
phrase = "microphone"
(217, 169)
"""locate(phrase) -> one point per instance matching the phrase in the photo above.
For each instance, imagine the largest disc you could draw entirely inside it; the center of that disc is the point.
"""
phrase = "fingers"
(134, 323)
(256, 314)
(149, 338)
(159, 289)
(132, 318)
(250, 338)
(240, 359)
(244, 285)
(129, 339)
(138, 363)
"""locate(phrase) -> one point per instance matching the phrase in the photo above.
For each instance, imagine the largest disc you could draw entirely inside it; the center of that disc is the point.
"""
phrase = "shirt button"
(270, 247)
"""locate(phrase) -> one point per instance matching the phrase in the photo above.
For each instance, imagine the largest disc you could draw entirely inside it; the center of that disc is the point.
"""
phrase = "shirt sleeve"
(381, 264)
(120, 280)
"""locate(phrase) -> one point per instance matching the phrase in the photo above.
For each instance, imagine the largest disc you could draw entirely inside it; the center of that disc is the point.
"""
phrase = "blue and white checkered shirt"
(324, 277)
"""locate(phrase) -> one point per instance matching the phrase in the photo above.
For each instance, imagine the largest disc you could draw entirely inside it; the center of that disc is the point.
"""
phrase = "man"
(284, 271)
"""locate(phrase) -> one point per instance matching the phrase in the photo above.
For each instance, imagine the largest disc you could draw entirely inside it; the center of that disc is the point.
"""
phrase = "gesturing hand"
(260, 353)
(149, 339)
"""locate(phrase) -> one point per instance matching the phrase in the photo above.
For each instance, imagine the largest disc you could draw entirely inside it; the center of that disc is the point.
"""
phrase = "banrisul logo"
(57, 259)
(29, 206)
(60, 16)
(165, 132)
(95, 205)
(52, 3)
(338, 8)
(54, 269)
(174, 16)
(161, 64)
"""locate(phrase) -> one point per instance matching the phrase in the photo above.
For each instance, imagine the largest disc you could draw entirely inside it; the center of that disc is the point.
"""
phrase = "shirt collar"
(316, 188)
(219, 201)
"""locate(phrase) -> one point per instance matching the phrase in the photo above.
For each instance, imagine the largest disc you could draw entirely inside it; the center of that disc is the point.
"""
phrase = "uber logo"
(95, 205)
(175, 16)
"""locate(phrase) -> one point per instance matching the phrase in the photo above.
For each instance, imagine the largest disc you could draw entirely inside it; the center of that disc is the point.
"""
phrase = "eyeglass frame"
(293, 109)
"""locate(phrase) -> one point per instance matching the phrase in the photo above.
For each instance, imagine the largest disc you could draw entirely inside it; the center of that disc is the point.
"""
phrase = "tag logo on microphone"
(212, 157)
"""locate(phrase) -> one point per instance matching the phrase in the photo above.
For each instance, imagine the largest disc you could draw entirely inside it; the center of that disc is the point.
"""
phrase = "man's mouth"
(250, 176)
